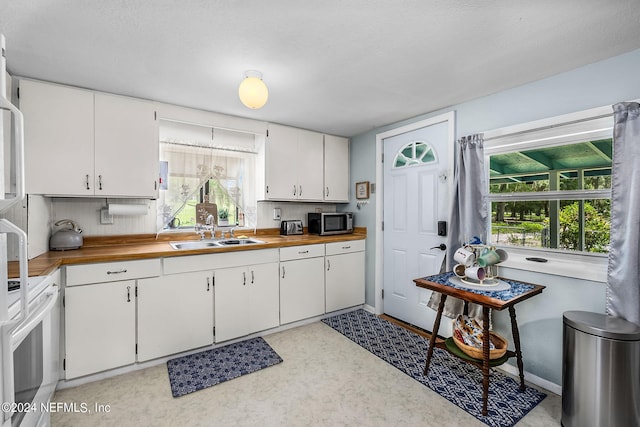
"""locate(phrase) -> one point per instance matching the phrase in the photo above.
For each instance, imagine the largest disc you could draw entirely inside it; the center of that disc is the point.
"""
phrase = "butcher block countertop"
(143, 246)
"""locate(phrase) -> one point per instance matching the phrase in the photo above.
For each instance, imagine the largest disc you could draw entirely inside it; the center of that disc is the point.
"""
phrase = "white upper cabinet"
(58, 139)
(126, 147)
(336, 169)
(309, 161)
(294, 164)
(84, 143)
(306, 166)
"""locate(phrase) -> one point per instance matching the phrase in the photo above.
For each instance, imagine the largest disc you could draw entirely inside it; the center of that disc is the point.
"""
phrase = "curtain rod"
(184, 122)
(191, 144)
(536, 129)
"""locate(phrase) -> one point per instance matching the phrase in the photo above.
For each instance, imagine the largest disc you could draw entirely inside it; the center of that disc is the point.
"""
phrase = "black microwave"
(326, 223)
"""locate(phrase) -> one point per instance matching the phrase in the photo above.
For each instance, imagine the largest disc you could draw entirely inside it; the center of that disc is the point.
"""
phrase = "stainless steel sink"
(237, 242)
(194, 244)
(211, 244)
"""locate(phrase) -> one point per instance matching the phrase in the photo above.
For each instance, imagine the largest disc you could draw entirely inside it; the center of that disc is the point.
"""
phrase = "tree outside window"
(554, 197)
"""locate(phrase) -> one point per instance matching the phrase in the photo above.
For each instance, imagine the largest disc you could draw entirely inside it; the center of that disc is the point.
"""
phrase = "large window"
(551, 188)
(203, 164)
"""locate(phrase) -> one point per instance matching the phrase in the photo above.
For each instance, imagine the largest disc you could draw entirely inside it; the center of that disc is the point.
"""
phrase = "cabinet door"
(301, 289)
(100, 331)
(231, 312)
(58, 130)
(309, 162)
(263, 299)
(126, 147)
(281, 158)
(246, 300)
(336, 169)
(344, 280)
(175, 313)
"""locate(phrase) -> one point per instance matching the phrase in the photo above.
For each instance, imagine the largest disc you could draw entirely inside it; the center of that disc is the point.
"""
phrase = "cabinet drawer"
(186, 264)
(301, 252)
(345, 247)
(112, 271)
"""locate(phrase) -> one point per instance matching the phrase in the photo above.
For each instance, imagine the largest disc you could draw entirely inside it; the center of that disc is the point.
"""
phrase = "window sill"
(578, 266)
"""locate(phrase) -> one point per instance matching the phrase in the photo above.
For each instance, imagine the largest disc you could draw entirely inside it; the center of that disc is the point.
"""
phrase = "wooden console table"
(498, 300)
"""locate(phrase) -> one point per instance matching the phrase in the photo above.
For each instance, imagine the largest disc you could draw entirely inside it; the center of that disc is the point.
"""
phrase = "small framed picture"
(362, 190)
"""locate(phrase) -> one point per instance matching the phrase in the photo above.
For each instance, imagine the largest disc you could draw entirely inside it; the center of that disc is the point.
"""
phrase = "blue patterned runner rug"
(457, 381)
(210, 367)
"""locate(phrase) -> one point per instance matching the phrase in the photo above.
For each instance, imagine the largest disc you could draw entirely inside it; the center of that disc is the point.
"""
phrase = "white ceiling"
(336, 66)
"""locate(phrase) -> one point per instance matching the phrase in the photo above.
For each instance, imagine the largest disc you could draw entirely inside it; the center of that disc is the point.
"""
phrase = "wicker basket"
(499, 351)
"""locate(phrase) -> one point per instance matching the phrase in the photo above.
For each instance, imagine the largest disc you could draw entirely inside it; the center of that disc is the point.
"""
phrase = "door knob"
(441, 246)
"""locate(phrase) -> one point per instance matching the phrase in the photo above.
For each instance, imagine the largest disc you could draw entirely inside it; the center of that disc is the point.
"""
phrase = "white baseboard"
(533, 379)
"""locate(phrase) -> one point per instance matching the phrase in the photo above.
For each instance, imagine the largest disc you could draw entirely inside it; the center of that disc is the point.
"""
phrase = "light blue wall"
(596, 85)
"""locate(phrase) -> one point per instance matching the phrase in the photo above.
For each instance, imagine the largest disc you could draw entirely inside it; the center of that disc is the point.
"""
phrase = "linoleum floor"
(325, 380)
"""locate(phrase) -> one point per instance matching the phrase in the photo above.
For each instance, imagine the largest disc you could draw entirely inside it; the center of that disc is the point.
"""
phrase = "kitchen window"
(550, 184)
(201, 163)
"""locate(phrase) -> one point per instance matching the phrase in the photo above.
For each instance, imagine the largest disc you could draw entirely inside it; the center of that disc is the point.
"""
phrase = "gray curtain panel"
(623, 274)
(468, 212)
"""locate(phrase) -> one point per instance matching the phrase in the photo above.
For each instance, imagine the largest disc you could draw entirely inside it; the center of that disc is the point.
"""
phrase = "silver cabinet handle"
(252, 278)
(99, 182)
(327, 195)
(301, 191)
(208, 285)
(283, 271)
(328, 265)
(294, 189)
(87, 182)
(346, 247)
(303, 252)
(124, 270)
(128, 293)
(244, 278)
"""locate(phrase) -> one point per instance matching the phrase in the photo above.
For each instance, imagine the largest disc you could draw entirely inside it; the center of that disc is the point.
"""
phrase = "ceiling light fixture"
(252, 91)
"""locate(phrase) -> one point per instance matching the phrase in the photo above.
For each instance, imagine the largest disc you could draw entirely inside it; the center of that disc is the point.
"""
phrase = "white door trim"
(379, 256)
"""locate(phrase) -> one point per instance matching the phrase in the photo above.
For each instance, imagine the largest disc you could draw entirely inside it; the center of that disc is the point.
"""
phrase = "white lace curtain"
(194, 155)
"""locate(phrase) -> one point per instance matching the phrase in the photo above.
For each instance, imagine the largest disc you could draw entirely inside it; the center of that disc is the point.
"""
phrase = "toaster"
(289, 227)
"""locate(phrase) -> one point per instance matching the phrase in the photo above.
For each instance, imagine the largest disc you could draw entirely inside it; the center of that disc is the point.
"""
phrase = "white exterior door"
(416, 186)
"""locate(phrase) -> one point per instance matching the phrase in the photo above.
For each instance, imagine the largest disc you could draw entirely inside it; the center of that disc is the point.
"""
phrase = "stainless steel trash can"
(600, 371)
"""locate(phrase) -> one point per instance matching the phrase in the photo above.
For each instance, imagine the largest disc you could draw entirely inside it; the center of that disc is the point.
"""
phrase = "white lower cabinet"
(100, 314)
(175, 313)
(159, 308)
(246, 300)
(301, 282)
(100, 331)
(344, 274)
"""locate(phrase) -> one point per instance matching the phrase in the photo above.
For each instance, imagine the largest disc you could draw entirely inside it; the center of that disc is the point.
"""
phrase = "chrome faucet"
(209, 224)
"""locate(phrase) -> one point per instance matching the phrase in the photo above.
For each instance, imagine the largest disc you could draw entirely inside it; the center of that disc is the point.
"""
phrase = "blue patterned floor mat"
(458, 382)
(210, 367)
